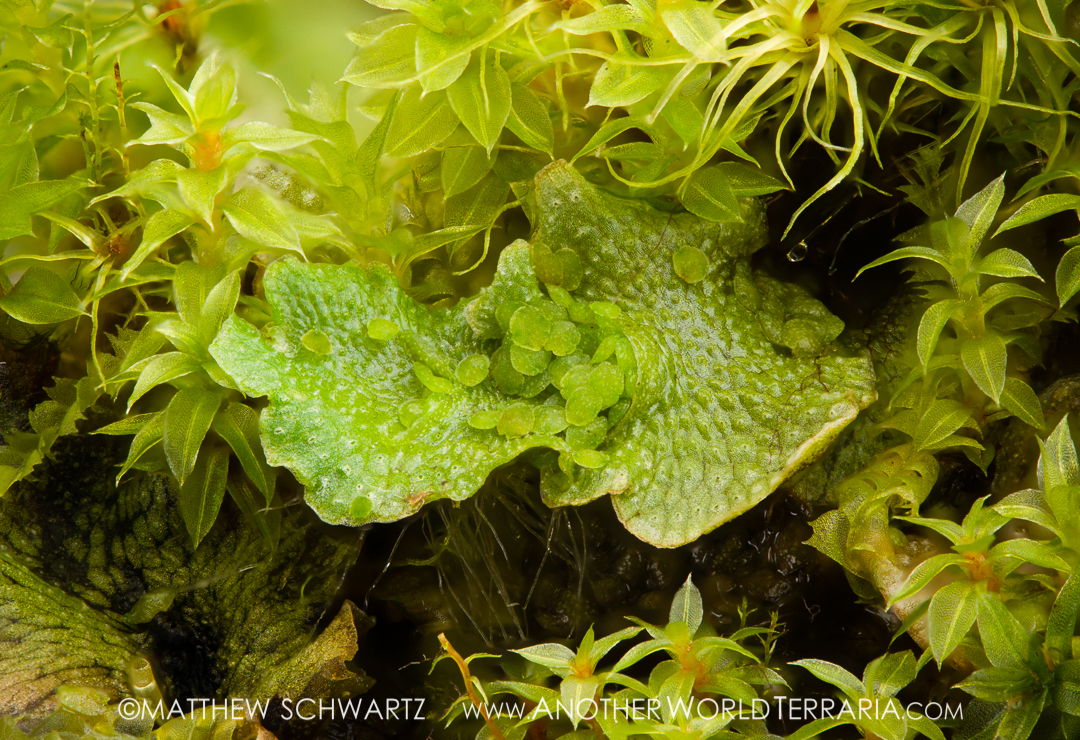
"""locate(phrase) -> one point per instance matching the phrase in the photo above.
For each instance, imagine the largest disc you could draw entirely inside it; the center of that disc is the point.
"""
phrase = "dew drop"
(798, 252)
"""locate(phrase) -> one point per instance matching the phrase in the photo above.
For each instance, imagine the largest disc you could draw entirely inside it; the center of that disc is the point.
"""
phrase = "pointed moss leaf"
(20, 202)
(203, 491)
(187, 420)
(697, 29)
(238, 425)
(944, 417)
(707, 193)
(835, 675)
(1039, 208)
(481, 99)
(607, 18)
(419, 123)
(530, 120)
(690, 264)
(931, 325)
(1058, 464)
(387, 61)
(952, 612)
(1021, 401)
(979, 210)
(41, 297)
(747, 181)
(440, 58)
(472, 370)
(1062, 620)
(199, 188)
(165, 127)
(463, 167)
(1067, 277)
(256, 216)
(985, 359)
(219, 304)
(621, 83)
(156, 231)
(265, 137)
(686, 606)
(161, 369)
(333, 419)
(551, 655)
(1006, 263)
(707, 435)
(192, 285)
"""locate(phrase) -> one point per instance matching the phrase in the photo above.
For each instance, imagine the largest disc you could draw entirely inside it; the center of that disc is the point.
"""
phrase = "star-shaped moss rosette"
(633, 346)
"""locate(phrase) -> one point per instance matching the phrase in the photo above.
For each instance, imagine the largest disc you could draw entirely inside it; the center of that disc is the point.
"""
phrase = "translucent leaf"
(952, 612)
(833, 674)
(1058, 464)
(256, 216)
(1067, 277)
(213, 89)
(529, 119)
(19, 203)
(621, 83)
(1022, 402)
(238, 425)
(481, 99)
(746, 181)
(385, 62)
(939, 421)
(1061, 623)
(551, 655)
(1039, 208)
(463, 167)
(979, 210)
(686, 606)
(199, 189)
(985, 359)
(419, 123)
(186, 422)
(161, 369)
(906, 253)
(165, 127)
(696, 28)
(203, 491)
(440, 58)
(1004, 640)
(264, 137)
(41, 297)
(707, 193)
(931, 325)
(1006, 263)
(607, 18)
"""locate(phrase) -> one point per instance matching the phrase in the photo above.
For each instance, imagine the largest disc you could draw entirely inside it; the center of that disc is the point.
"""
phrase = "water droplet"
(798, 252)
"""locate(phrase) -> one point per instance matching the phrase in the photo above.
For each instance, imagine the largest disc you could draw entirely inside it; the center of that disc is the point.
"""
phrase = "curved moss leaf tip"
(687, 395)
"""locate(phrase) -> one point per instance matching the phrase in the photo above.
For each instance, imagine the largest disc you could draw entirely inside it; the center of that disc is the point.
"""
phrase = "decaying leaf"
(92, 577)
